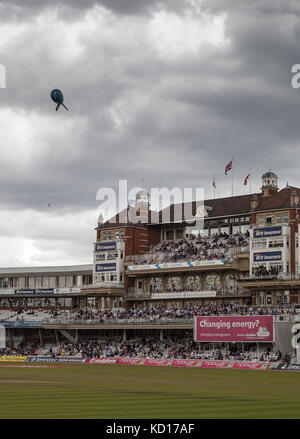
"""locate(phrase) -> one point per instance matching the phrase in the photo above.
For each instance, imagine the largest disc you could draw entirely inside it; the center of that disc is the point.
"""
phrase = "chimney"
(254, 202)
(294, 198)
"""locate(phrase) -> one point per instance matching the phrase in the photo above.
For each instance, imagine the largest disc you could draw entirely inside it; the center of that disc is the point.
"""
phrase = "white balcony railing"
(104, 285)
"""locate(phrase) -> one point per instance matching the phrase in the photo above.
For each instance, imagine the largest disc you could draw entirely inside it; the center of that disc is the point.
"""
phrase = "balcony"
(209, 294)
(162, 258)
(103, 285)
(268, 277)
(144, 322)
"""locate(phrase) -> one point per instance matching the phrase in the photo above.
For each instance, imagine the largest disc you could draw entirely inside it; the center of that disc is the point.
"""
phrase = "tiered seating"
(220, 246)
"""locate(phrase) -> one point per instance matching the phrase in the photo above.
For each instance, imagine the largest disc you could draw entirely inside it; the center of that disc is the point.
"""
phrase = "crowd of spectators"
(196, 248)
(22, 349)
(170, 348)
(156, 313)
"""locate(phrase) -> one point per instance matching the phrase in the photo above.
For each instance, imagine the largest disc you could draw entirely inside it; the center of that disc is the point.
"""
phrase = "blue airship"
(58, 98)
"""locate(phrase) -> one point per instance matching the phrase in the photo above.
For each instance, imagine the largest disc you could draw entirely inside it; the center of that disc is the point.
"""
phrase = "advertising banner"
(267, 232)
(234, 329)
(13, 358)
(105, 246)
(70, 360)
(48, 359)
(183, 295)
(106, 267)
(145, 362)
(7, 291)
(41, 359)
(35, 291)
(103, 360)
(22, 324)
(193, 363)
(175, 265)
(67, 290)
(132, 361)
(267, 256)
(187, 363)
(235, 365)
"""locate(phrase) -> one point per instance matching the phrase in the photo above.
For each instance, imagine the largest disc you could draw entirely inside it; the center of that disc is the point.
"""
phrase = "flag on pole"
(214, 182)
(246, 179)
(228, 167)
(49, 205)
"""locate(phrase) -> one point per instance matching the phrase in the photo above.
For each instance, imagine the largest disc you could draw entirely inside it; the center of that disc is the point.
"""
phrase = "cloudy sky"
(166, 91)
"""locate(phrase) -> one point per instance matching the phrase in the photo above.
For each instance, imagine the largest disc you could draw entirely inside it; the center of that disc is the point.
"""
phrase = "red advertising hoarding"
(194, 363)
(234, 329)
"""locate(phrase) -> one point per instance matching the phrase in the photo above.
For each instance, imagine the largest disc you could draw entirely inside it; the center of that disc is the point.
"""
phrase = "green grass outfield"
(111, 391)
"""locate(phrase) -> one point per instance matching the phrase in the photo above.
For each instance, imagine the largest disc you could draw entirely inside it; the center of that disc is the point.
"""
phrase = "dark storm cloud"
(15, 8)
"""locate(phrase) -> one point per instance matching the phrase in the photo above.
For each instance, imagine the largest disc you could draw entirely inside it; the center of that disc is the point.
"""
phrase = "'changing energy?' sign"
(234, 329)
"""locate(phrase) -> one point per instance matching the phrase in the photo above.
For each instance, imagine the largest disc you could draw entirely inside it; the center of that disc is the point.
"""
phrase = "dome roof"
(142, 196)
(269, 174)
(143, 192)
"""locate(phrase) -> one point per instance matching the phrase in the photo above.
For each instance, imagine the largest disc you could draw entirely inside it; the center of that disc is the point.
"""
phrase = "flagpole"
(232, 179)
(214, 185)
(250, 181)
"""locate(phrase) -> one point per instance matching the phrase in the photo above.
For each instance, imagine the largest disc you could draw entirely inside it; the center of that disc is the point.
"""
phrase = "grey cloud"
(181, 117)
(16, 8)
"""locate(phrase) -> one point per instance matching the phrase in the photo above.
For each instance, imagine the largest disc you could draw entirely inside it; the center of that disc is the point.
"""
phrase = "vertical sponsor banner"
(2, 337)
(234, 329)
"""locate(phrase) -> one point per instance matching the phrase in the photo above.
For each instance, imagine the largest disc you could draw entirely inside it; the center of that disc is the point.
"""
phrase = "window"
(103, 236)
(100, 257)
(111, 256)
(269, 299)
(204, 232)
(244, 228)
(276, 243)
(169, 234)
(109, 236)
(113, 277)
(277, 265)
(122, 234)
(179, 233)
(121, 255)
(269, 220)
(260, 243)
(261, 220)
(121, 277)
(117, 235)
(282, 218)
(140, 285)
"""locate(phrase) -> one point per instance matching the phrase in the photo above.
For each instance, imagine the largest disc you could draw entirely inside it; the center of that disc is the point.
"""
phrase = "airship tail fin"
(64, 107)
(57, 107)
